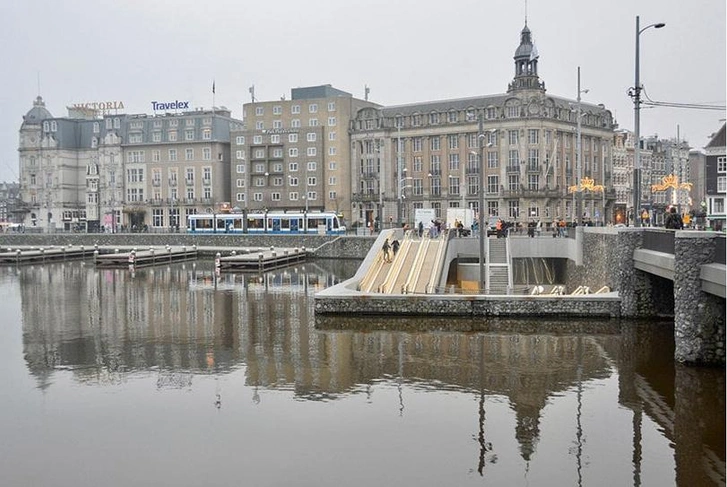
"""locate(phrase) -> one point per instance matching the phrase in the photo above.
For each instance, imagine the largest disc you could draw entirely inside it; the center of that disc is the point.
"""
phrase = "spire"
(526, 63)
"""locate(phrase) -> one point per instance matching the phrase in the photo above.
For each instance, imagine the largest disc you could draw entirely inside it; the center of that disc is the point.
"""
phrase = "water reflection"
(183, 321)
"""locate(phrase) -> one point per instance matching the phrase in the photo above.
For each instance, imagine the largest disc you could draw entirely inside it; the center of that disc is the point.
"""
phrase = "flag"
(534, 53)
(213, 87)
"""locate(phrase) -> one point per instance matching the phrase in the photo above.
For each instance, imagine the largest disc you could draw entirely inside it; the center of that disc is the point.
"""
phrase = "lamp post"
(635, 93)
(481, 222)
(399, 171)
(579, 154)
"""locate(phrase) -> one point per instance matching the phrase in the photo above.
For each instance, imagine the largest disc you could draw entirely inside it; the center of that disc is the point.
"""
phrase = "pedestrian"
(385, 248)
(420, 228)
(673, 220)
(395, 247)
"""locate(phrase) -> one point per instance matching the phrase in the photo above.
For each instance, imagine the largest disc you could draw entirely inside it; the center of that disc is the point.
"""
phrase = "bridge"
(641, 273)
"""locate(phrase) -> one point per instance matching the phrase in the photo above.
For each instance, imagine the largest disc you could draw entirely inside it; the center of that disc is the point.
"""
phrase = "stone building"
(426, 155)
(294, 154)
(716, 179)
(101, 171)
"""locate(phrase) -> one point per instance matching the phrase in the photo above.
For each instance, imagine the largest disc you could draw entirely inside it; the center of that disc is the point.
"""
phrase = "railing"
(719, 256)
(659, 240)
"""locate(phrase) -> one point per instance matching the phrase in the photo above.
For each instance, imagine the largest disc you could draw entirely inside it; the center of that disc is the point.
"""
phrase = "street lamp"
(400, 194)
(635, 93)
(481, 220)
(579, 154)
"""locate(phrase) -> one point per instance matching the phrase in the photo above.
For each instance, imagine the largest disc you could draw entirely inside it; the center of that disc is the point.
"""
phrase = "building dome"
(525, 48)
(36, 114)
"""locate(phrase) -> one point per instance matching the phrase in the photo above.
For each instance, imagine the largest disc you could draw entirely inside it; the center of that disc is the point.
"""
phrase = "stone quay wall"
(600, 262)
(460, 305)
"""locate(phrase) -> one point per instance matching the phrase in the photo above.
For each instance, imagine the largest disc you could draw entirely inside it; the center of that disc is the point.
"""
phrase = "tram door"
(276, 224)
(294, 225)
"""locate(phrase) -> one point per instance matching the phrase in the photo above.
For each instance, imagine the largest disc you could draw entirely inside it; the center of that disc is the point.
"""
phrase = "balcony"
(156, 182)
(367, 196)
(173, 182)
(189, 182)
(435, 172)
(513, 168)
(206, 181)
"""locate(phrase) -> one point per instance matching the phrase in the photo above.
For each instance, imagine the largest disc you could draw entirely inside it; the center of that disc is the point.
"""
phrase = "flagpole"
(213, 96)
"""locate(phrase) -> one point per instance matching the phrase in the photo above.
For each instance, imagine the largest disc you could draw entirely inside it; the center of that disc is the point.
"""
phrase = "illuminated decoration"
(670, 181)
(587, 184)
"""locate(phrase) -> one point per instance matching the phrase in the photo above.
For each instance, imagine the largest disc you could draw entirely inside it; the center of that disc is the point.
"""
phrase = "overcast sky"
(406, 51)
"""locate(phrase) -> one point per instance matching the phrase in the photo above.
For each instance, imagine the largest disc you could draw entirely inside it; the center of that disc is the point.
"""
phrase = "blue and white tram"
(271, 222)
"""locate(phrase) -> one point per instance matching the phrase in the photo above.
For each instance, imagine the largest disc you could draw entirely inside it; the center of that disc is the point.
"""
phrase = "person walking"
(386, 247)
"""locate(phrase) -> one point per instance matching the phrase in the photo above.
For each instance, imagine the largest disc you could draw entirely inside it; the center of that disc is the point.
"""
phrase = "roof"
(37, 114)
(718, 139)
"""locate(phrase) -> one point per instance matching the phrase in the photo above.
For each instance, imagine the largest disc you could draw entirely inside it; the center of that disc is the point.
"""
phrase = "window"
(311, 136)
(721, 164)
(452, 117)
(156, 137)
(172, 155)
(417, 165)
(313, 122)
(240, 168)
(275, 139)
(257, 139)
(277, 110)
(313, 108)
(240, 140)
(189, 135)
(206, 134)
(721, 184)
(512, 136)
(295, 109)
(453, 141)
(188, 154)
(513, 182)
(331, 136)
(293, 138)
(453, 162)
(259, 153)
(332, 181)
(490, 113)
(190, 174)
(533, 182)
(134, 138)
(513, 112)
(293, 167)
(277, 124)
(206, 154)
(293, 152)
(259, 111)
(240, 154)
(416, 144)
(259, 125)
(311, 151)
(493, 184)
(492, 160)
(513, 210)
(311, 166)
(172, 136)
(331, 106)
(156, 156)
(533, 136)
(278, 153)
(434, 119)
(513, 158)
(434, 142)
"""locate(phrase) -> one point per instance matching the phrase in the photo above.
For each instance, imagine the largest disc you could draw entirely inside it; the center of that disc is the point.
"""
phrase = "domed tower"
(526, 65)
(30, 129)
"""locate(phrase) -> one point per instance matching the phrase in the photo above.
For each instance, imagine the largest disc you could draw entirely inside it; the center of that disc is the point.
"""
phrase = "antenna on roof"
(366, 92)
(526, 12)
(38, 75)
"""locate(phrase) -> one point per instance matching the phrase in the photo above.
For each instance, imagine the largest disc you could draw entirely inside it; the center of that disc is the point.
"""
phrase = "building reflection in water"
(182, 320)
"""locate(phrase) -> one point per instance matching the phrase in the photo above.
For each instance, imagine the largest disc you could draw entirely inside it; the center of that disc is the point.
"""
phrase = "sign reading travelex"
(172, 105)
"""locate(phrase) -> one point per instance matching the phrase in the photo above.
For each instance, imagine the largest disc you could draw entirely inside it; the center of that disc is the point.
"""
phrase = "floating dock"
(143, 258)
(260, 260)
(35, 255)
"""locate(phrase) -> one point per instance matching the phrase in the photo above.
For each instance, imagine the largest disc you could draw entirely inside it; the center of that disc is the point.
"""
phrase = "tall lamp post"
(579, 154)
(481, 202)
(635, 93)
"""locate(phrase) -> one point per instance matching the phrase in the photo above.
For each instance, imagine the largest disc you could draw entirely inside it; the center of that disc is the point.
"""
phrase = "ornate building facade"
(94, 171)
(427, 155)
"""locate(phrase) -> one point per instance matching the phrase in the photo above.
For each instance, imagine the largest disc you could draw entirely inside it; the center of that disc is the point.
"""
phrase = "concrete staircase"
(499, 265)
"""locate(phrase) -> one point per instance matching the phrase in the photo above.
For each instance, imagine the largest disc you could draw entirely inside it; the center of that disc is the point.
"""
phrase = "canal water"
(170, 376)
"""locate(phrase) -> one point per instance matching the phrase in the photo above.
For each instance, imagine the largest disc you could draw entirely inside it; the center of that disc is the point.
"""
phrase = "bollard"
(95, 255)
(233, 253)
(132, 258)
(260, 260)
(217, 261)
(42, 254)
(116, 251)
(17, 256)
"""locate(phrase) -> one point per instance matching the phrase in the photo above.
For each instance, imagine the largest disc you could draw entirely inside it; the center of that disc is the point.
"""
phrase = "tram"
(327, 223)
